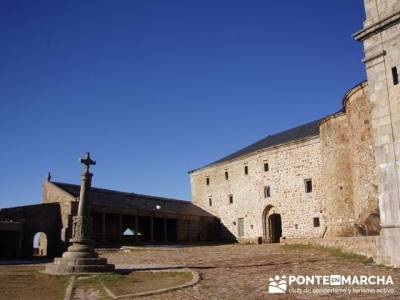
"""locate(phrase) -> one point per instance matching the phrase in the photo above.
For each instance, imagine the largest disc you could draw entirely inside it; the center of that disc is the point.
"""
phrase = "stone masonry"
(289, 166)
(338, 159)
(381, 39)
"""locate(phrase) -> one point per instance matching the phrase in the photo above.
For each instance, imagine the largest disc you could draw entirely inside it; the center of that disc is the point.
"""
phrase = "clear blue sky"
(156, 88)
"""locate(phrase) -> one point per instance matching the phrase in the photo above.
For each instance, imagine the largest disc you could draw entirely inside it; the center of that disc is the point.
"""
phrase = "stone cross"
(87, 161)
(48, 177)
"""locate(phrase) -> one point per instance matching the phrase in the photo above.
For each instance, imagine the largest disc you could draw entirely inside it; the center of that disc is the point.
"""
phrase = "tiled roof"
(290, 135)
(116, 199)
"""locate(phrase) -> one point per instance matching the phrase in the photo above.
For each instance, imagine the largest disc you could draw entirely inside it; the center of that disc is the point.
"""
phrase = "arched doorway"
(40, 244)
(272, 225)
(275, 225)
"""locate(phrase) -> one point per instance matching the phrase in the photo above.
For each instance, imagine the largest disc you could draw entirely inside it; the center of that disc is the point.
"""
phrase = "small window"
(226, 175)
(395, 76)
(246, 170)
(266, 167)
(316, 222)
(308, 185)
(230, 199)
(207, 181)
(210, 201)
(267, 191)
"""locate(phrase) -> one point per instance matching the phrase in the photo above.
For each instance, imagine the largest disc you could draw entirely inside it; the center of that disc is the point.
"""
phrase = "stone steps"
(65, 268)
(80, 261)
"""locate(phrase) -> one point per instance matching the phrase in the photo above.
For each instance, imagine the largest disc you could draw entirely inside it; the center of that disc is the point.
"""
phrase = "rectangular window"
(207, 181)
(267, 191)
(230, 199)
(266, 167)
(210, 201)
(246, 170)
(240, 227)
(316, 222)
(395, 76)
(226, 175)
(308, 185)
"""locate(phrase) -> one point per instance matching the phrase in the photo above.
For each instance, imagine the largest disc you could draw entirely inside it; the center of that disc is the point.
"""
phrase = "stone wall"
(365, 245)
(351, 201)
(381, 39)
(68, 205)
(338, 205)
(340, 162)
(289, 166)
(363, 170)
(43, 218)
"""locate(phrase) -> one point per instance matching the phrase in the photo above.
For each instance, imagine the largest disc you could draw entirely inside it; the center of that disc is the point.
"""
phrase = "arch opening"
(275, 227)
(128, 232)
(272, 225)
(40, 244)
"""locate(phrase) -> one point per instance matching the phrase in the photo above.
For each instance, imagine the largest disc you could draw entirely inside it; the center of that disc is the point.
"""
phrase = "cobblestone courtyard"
(226, 272)
(242, 271)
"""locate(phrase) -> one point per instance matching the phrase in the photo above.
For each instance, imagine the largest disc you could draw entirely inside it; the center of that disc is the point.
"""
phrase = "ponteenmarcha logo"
(277, 285)
(280, 284)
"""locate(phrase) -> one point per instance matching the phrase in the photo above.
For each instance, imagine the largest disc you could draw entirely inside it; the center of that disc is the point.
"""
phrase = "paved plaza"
(242, 271)
(231, 271)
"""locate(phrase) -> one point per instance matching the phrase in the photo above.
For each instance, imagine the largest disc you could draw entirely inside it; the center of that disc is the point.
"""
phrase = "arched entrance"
(272, 225)
(275, 225)
(40, 244)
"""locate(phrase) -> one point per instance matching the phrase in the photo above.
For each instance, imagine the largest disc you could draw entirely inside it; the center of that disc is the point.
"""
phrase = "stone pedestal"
(79, 263)
(80, 257)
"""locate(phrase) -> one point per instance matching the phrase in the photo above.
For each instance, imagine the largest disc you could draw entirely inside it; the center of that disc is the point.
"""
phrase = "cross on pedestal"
(81, 256)
(87, 161)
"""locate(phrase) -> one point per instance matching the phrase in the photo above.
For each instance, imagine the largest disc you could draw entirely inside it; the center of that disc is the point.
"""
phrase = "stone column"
(120, 227)
(151, 229)
(103, 226)
(136, 228)
(19, 245)
(189, 230)
(82, 223)
(165, 230)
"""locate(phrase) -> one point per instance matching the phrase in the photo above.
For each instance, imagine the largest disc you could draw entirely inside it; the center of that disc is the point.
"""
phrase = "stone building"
(146, 219)
(337, 177)
(334, 177)
(381, 40)
(314, 180)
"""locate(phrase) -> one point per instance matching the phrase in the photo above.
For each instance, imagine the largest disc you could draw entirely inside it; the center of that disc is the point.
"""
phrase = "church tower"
(381, 39)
